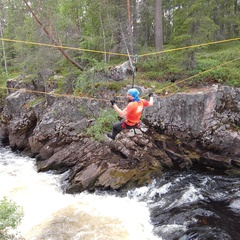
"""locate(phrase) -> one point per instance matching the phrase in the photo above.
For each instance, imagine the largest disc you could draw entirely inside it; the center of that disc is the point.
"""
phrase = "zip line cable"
(127, 55)
(53, 94)
(60, 46)
(119, 54)
(192, 46)
(181, 81)
(101, 99)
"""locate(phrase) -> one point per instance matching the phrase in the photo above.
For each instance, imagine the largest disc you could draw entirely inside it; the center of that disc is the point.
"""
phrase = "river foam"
(49, 214)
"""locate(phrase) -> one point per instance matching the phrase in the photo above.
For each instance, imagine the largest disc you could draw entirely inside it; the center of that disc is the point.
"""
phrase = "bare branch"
(52, 39)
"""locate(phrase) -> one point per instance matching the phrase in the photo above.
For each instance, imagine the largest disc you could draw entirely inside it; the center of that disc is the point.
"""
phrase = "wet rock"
(215, 160)
(198, 127)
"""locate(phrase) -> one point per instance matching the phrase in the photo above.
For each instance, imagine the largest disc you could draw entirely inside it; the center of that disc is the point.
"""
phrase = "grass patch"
(35, 102)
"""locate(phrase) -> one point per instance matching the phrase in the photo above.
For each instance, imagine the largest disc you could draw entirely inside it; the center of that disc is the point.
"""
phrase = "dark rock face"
(207, 120)
(181, 131)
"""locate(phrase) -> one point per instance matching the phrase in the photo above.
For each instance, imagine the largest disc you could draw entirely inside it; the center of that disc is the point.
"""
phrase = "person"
(131, 113)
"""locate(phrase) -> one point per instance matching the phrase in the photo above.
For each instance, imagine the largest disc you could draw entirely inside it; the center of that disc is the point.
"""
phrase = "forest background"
(179, 43)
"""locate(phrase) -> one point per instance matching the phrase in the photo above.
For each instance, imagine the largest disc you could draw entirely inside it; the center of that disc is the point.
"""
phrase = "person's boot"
(110, 136)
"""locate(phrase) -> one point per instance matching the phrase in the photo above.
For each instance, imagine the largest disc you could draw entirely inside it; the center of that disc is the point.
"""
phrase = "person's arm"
(151, 99)
(121, 113)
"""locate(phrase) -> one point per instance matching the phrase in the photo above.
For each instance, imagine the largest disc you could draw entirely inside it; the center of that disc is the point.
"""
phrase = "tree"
(167, 20)
(158, 25)
(192, 25)
(225, 16)
(2, 6)
(48, 33)
(109, 26)
(145, 23)
(130, 26)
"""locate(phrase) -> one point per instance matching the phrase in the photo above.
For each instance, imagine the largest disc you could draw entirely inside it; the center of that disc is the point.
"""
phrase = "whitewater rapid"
(180, 205)
(50, 214)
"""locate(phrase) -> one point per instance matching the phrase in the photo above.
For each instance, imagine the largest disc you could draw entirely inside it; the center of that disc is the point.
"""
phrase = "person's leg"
(117, 128)
(132, 127)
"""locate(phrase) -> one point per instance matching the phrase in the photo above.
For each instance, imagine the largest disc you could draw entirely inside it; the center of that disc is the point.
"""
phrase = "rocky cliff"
(197, 129)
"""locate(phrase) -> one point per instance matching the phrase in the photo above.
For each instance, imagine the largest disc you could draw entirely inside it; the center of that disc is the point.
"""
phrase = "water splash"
(50, 214)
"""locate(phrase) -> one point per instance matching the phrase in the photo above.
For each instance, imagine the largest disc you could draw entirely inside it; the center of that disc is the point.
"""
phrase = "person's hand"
(113, 102)
(150, 94)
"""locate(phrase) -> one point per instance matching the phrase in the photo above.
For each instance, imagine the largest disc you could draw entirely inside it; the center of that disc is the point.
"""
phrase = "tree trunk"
(134, 26)
(130, 35)
(52, 39)
(235, 30)
(3, 50)
(104, 37)
(158, 25)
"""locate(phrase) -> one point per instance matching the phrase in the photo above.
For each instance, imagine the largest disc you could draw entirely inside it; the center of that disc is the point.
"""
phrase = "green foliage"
(115, 86)
(219, 74)
(206, 63)
(84, 84)
(61, 83)
(218, 64)
(10, 217)
(150, 84)
(166, 63)
(35, 102)
(90, 79)
(150, 64)
(3, 90)
(235, 82)
(154, 75)
(3, 80)
(101, 26)
(102, 124)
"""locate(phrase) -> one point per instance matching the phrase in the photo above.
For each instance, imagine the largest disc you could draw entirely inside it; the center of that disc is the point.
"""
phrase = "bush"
(10, 217)
(102, 124)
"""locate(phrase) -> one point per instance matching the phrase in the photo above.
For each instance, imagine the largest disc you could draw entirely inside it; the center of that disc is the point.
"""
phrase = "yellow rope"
(101, 99)
(96, 51)
(181, 81)
(119, 54)
(54, 94)
(192, 46)
(63, 47)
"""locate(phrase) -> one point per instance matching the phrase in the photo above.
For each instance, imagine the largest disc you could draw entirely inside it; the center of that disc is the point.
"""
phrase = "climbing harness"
(125, 126)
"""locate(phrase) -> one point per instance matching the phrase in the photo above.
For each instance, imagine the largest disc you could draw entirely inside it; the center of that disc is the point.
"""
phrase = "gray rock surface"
(200, 128)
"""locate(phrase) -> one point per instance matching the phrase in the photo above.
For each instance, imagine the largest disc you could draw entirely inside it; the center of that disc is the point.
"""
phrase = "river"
(179, 205)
